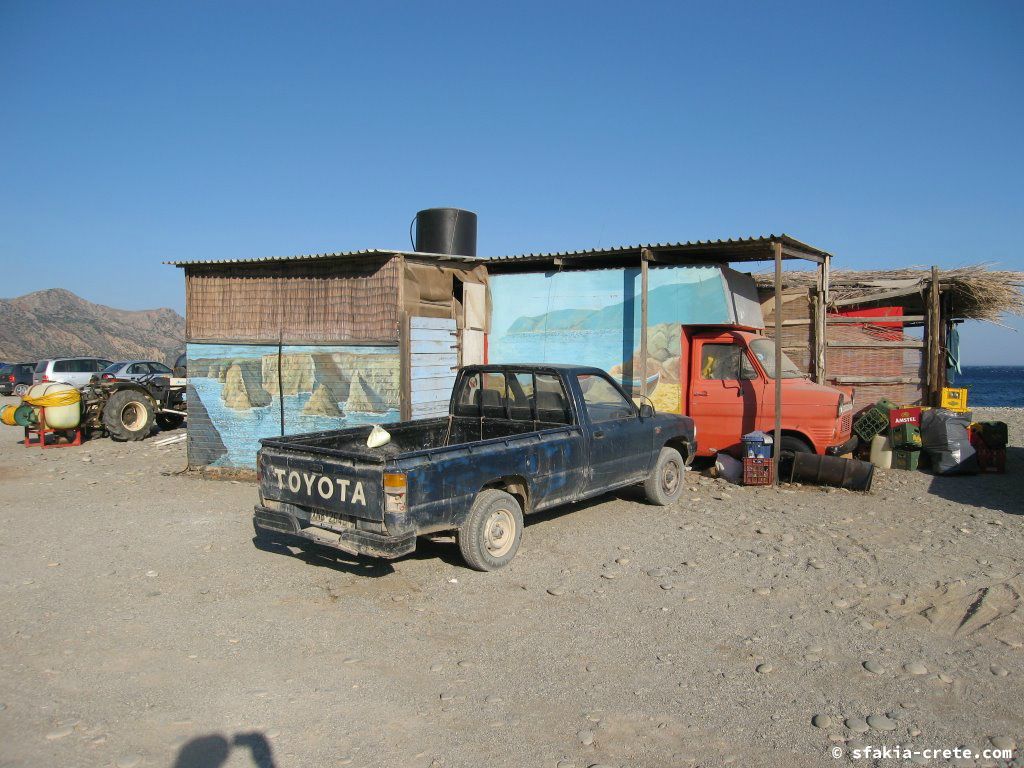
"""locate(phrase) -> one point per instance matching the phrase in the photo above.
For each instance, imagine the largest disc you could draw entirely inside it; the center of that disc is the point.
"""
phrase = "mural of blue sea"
(237, 392)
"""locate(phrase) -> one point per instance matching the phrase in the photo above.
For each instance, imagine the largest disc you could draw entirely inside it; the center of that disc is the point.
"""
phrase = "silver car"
(133, 370)
(76, 371)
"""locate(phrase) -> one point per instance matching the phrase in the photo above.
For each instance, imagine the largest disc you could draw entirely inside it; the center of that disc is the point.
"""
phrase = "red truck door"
(725, 392)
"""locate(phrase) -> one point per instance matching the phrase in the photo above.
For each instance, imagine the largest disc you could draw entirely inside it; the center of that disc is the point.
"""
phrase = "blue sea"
(992, 385)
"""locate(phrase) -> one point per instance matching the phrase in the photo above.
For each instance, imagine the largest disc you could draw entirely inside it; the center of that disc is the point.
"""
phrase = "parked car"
(16, 378)
(519, 439)
(76, 371)
(133, 370)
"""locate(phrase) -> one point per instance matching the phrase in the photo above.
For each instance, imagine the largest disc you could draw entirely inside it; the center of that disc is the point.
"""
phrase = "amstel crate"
(905, 459)
(757, 471)
(991, 459)
(906, 436)
(870, 423)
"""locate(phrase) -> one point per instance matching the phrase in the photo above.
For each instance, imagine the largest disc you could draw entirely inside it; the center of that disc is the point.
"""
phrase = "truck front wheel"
(490, 536)
(665, 483)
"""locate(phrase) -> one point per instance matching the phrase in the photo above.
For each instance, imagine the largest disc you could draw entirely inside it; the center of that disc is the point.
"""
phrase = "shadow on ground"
(998, 492)
(214, 749)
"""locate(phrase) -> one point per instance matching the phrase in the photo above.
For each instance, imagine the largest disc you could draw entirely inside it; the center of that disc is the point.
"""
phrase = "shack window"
(604, 401)
(725, 362)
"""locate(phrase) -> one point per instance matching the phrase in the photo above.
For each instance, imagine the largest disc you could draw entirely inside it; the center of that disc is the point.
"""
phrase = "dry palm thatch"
(976, 292)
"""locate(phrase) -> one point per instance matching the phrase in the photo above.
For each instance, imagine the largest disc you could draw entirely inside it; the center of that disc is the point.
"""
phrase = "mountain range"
(57, 323)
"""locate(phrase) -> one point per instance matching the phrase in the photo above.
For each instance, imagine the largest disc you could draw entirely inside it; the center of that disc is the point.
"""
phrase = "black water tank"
(446, 230)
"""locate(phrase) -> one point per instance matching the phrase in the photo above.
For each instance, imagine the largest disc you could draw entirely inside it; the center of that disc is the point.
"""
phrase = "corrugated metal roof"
(316, 256)
(739, 249)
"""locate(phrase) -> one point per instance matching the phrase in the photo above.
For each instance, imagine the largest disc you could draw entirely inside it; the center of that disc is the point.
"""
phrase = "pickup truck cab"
(518, 439)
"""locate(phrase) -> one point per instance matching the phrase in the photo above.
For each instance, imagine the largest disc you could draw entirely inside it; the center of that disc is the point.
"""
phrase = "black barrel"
(851, 474)
(446, 230)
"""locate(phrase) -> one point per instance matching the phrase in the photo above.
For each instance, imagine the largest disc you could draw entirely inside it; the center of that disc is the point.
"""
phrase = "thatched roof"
(975, 292)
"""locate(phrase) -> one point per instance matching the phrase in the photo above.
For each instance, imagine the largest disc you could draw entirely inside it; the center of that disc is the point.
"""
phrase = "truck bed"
(408, 438)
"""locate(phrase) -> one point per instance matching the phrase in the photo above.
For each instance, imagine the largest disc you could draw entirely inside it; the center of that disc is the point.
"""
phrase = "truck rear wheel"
(128, 415)
(665, 483)
(490, 536)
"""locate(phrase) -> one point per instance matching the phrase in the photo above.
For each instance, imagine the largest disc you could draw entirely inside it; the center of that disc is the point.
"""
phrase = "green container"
(905, 459)
(870, 423)
(906, 436)
(884, 406)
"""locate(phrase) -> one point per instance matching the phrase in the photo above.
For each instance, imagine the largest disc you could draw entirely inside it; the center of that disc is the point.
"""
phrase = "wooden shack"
(886, 333)
(286, 345)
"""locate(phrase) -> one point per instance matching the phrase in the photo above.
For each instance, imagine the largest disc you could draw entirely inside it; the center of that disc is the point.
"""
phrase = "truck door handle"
(599, 435)
(700, 394)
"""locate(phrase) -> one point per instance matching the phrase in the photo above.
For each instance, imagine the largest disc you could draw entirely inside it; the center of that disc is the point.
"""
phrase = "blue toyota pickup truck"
(518, 439)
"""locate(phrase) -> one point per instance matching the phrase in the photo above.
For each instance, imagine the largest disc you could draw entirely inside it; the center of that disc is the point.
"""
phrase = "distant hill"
(57, 323)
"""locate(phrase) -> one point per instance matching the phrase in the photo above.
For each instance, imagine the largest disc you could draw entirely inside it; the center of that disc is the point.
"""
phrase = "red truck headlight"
(396, 488)
(844, 406)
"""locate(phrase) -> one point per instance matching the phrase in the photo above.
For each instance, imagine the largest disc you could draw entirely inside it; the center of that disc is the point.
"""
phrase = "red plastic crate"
(757, 471)
(991, 459)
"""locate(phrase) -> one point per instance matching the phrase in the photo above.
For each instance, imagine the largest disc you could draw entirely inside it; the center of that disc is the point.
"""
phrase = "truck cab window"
(725, 362)
(552, 404)
(492, 396)
(604, 401)
(468, 403)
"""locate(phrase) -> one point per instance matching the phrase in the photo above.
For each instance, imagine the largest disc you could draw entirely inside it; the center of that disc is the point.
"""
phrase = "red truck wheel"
(490, 537)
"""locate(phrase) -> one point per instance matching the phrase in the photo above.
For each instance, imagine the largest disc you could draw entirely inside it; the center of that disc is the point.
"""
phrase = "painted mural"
(237, 394)
(592, 317)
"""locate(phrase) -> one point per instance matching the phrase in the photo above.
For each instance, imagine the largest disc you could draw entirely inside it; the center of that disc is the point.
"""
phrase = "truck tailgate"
(333, 485)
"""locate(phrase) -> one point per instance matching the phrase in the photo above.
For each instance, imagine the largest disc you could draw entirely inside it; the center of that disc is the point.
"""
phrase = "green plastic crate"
(906, 436)
(905, 459)
(870, 423)
(885, 405)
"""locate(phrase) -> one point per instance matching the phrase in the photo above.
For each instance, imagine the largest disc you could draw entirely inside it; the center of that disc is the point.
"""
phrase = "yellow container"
(954, 399)
(62, 402)
(7, 415)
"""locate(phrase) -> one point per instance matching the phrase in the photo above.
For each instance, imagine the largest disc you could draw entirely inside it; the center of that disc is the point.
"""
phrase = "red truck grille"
(846, 424)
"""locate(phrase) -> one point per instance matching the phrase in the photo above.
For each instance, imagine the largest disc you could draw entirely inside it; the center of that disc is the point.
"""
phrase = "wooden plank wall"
(433, 353)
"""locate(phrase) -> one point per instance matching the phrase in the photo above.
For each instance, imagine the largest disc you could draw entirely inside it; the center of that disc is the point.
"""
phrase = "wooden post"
(644, 256)
(821, 361)
(934, 341)
(777, 447)
(405, 355)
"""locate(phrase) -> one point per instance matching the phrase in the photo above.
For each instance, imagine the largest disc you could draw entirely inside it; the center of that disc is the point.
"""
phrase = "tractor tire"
(490, 536)
(128, 416)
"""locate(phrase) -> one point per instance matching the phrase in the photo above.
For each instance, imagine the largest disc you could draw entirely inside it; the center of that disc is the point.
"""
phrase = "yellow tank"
(7, 415)
(63, 404)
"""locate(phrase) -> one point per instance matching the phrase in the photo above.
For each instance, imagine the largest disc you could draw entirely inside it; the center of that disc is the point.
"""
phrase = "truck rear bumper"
(847, 447)
(354, 542)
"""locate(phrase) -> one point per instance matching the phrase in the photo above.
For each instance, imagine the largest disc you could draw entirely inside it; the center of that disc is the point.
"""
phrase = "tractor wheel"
(20, 389)
(128, 415)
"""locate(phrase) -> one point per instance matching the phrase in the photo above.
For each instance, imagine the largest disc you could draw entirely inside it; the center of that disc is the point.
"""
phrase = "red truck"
(727, 386)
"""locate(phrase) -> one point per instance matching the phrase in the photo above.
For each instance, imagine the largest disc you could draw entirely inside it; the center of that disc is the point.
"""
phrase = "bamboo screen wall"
(349, 301)
(860, 361)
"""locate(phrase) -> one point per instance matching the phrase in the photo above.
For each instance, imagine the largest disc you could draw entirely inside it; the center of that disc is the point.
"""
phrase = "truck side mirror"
(646, 410)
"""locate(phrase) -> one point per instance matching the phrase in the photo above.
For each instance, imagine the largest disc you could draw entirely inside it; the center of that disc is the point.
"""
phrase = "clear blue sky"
(132, 133)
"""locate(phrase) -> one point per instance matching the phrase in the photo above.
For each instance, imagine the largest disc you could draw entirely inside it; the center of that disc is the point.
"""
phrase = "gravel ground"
(142, 627)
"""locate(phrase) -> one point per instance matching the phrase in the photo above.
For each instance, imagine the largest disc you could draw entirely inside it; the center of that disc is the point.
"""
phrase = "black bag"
(945, 439)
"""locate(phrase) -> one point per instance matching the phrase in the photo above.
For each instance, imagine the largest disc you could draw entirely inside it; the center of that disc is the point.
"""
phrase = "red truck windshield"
(764, 350)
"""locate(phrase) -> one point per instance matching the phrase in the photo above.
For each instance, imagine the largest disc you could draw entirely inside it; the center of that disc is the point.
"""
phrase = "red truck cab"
(727, 385)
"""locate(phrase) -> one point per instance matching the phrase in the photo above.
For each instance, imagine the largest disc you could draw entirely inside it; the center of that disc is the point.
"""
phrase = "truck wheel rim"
(500, 532)
(670, 478)
(133, 416)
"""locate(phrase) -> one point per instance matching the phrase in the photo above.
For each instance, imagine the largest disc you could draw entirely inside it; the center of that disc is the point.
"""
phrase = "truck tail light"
(10, 378)
(396, 487)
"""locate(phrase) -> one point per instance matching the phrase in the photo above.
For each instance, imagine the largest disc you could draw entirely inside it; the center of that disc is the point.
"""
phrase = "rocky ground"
(142, 627)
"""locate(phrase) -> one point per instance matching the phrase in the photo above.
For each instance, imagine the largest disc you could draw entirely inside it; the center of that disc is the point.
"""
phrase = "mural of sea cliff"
(236, 395)
(592, 317)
